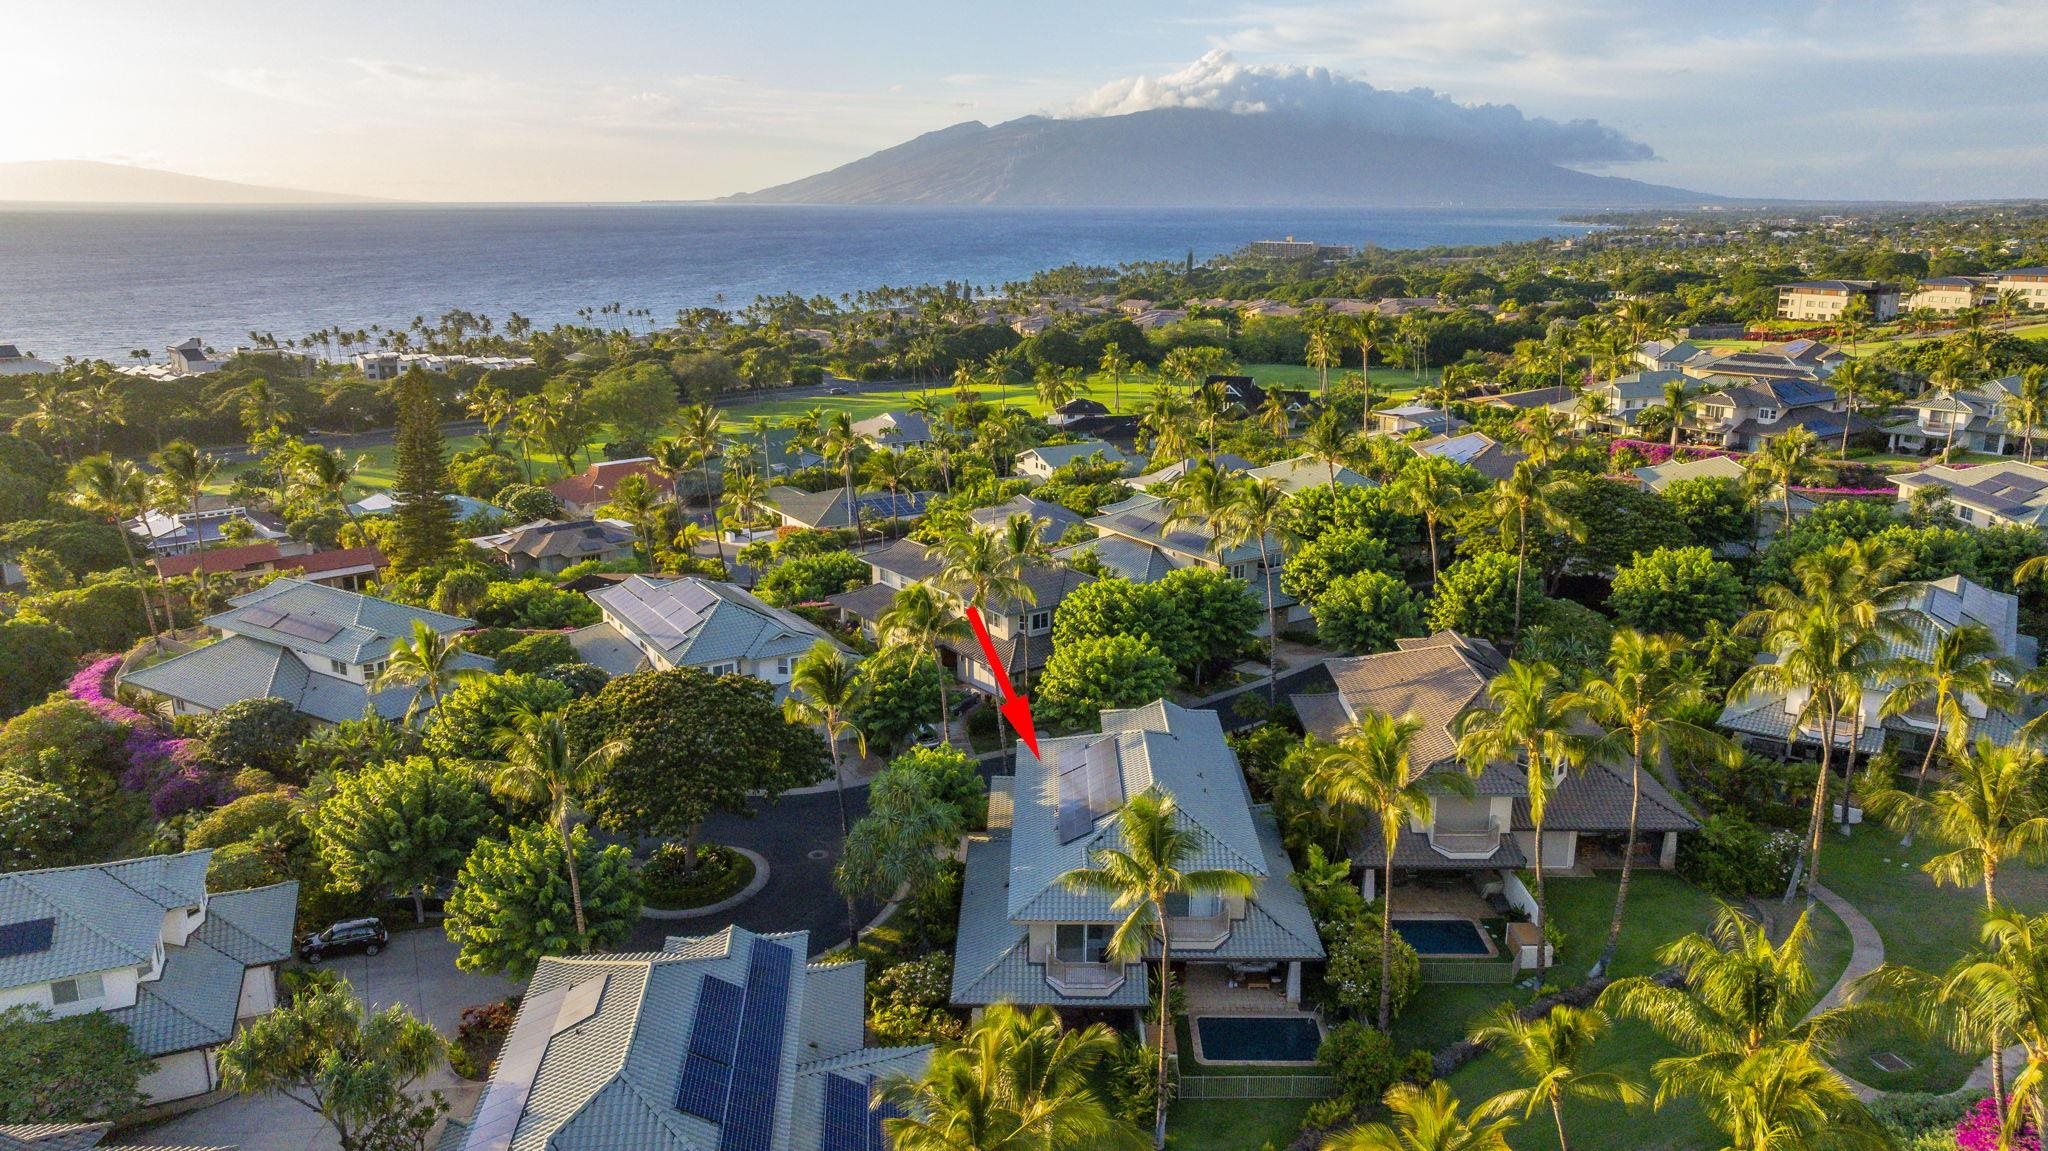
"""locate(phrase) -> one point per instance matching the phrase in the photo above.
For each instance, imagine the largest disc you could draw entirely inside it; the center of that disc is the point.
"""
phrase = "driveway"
(417, 970)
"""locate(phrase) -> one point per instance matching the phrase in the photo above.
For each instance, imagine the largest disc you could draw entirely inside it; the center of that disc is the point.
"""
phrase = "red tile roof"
(338, 560)
(595, 483)
(219, 561)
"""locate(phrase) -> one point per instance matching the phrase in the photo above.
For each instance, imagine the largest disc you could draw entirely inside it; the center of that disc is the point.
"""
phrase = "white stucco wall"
(180, 1076)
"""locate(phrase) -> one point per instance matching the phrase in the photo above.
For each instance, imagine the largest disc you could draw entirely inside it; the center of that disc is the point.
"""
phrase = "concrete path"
(1866, 954)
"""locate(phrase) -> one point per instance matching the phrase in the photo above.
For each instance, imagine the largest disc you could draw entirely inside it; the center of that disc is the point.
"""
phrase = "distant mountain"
(1206, 157)
(92, 182)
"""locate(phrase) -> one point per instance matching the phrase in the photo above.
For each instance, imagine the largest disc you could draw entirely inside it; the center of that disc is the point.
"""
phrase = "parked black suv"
(365, 935)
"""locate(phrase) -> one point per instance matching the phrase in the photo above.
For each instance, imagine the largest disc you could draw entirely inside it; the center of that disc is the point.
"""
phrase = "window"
(723, 668)
(782, 666)
(1966, 514)
(77, 990)
(1081, 942)
(339, 667)
(1180, 905)
(1767, 414)
(1040, 621)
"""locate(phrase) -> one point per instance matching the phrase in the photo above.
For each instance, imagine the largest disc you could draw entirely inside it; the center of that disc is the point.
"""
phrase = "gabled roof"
(1126, 558)
(219, 561)
(595, 484)
(584, 537)
(829, 509)
(101, 915)
(1657, 477)
(1174, 469)
(1530, 398)
(238, 667)
(915, 562)
(1638, 385)
(1304, 472)
(325, 621)
(1432, 679)
(606, 1039)
(699, 622)
(894, 428)
(1476, 450)
(1060, 455)
(2010, 489)
(1053, 519)
(1144, 518)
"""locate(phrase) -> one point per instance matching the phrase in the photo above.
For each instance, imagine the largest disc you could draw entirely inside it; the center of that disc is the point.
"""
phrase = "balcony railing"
(1082, 979)
(1199, 932)
(1465, 842)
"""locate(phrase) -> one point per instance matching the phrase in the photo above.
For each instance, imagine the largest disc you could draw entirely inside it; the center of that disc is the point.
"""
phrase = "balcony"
(1466, 842)
(1199, 932)
(1082, 980)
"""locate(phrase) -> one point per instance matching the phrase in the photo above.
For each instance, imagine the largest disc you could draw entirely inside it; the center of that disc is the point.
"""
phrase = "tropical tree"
(115, 491)
(328, 473)
(1783, 462)
(1530, 720)
(1680, 393)
(1516, 501)
(1550, 1053)
(183, 473)
(1641, 708)
(430, 663)
(1114, 364)
(493, 407)
(1321, 349)
(1989, 809)
(1428, 1119)
(1019, 1081)
(1257, 513)
(1326, 440)
(825, 690)
(1429, 487)
(698, 429)
(1369, 770)
(1367, 330)
(2026, 408)
(544, 763)
(403, 826)
(922, 619)
(1964, 666)
(1138, 879)
(981, 570)
(841, 445)
(1854, 382)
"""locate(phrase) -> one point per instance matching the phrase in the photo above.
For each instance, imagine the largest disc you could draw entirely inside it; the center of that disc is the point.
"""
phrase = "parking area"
(417, 970)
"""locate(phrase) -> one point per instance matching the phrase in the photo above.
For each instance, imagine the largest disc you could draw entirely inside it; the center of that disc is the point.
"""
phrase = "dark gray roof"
(327, 621)
(241, 667)
(102, 915)
(1432, 680)
(573, 538)
(1053, 519)
(69, 1137)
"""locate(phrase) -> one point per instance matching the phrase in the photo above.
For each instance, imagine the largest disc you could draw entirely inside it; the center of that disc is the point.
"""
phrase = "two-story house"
(1434, 680)
(1021, 632)
(1027, 938)
(1809, 360)
(1304, 472)
(547, 546)
(1054, 520)
(1974, 419)
(894, 431)
(1624, 399)
(1660, 355)
(316, 647)
(1987, 495)
(590, 489)
(1929, 610)
(1414, 416)
(726, 1042)
(1742, 414)
(649, 622)
(1140, 540)
(176, 532)
(1825, 300)
(1041, 462)
(142, 942)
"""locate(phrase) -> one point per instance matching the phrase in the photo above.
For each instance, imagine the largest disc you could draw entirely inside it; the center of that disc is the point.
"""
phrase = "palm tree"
(1321, 350)
(1139, 879)
(981, 571)
(1752, 1049)
(1551, 1052)
(2026, 408)
(1641, 707)
(1368, 769)
(1019, 1081)
(893, 470)
(1988, 810)
(921, 618)
(1679, 394)
(1427, 1119)
(1855, 381)
(1590, 410)
(1542, 436)
(698, 429)
(543, 762)
(184, 473)
(1964, 665)
(115, 491)
(329, 473)
(1783, 462)
(1058, 386)
(746, 496)
(1114, 364)
(429, 662)
(825, 689)
(1199, 497)
(1274, 416)
(1514, 502)
(1429, 487)
(1257, 512)
(840, 445)
(493, 407)
(1366, 329)
(1532, 720)
(1326, 440)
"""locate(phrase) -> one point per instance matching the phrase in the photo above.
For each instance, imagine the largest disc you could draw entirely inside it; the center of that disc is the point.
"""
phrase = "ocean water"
(98, 282)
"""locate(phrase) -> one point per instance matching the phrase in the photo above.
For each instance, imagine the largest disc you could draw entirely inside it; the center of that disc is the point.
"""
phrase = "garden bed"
(720, 874)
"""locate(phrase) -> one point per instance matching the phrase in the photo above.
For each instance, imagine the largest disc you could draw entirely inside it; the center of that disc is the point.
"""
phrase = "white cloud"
(1219, 81)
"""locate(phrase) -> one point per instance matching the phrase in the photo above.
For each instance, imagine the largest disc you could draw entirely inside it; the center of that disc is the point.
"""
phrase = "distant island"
(94, 182)
(1200, 157)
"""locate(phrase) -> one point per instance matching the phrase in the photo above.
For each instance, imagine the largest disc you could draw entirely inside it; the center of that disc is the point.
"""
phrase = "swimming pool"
(1444, 938)
(1257, 1038)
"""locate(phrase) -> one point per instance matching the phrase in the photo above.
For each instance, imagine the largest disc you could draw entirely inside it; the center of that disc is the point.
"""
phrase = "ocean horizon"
(96, 281)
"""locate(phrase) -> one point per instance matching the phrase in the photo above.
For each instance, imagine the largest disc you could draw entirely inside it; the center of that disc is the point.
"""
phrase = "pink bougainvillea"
(161, 764)
(1979, 1130)
(1657, 452)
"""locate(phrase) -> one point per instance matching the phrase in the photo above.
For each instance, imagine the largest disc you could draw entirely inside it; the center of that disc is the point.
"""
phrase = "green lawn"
(1233, 1124)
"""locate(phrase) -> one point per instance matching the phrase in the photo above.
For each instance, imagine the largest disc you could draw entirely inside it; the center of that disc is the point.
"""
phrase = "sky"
(524, 100)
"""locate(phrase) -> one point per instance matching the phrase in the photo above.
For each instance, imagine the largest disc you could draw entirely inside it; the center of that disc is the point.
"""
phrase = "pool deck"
(1209, 993)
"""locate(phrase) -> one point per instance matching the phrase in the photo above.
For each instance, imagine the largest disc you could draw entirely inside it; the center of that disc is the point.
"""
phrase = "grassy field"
(1233, 1124)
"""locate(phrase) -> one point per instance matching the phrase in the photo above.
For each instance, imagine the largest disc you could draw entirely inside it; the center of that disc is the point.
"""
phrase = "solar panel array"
(1091, 785)
(497, 1117)
(853, 1120)
(896, 505)
(707, 1066)
(757, 1073)
(26, 937)
(667, 613)
(262, 616)
(311, 627)
(580, 1004)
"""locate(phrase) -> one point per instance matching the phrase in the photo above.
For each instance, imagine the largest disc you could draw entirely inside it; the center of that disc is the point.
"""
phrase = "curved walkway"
(1866, 954)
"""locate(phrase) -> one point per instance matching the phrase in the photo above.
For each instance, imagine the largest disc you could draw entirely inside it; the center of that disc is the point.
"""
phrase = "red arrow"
(1015, 708)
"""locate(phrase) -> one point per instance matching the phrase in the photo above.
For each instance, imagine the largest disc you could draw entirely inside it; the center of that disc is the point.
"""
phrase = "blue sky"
(523, 100)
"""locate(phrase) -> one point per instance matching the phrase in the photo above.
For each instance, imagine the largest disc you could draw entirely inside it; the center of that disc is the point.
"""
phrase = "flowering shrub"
(1656, 453)
(163, 765)
(1979, 1130)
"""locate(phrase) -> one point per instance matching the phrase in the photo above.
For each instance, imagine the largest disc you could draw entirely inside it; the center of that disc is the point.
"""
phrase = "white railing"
(1199, 932)
(1082, 979)
(1465, 843)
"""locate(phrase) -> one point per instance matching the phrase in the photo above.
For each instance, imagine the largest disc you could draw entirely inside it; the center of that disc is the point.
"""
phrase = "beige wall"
(179, 1076)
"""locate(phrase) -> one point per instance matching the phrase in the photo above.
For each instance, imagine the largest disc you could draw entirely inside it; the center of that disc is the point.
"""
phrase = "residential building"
(585, 492)
(1743, 414)
(1974, 419)
(1163, 475)
(1476, 450)
(316, 647)
(384, 504)
(775, 451)
(1293, 249)
(1808, 360)
(1435, 680)
(1529, 399)
(143, 943)
(1304, 472)
(547, 546)
(1040, 463)
(726, 1042)
(1027, 938)
(1824, 300)
(1242, 391)
(1028, 326)
(1021, 632)
(1951, 294)
(1414, 416)
(1054, 520)
(1929, 611)
(387, 365)
(15, 362)
(831, 509)
(171, 533)
(1626, 399)
(1134, 540)
(1077, 410)
(1988, 495)
(191, 358)
(1768, 509)
(1667, 355)
(2027, 286)
(649, 622)
(346, 568)
(895, 430)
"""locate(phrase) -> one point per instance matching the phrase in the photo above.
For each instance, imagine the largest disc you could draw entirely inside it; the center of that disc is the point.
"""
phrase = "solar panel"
(757, 1069)
(262, 616)
(26, 937)
(878, 1139)
(846, 1115)
(1090, 787)
(580, 1004)
(497, 1116)
(707, 1065)
(310, 627)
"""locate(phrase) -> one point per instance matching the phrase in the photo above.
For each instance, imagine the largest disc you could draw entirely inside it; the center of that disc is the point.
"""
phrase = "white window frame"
(338, 667)
(78, 989)
(1093, 942)
(726, 668)
(783, 665)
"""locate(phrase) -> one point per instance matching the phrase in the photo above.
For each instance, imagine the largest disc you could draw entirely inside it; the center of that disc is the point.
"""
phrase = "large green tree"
(402, 826)
(78, 1069)
(425, 532)
(1086, 676)
(1677, 590)
(512, 906)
